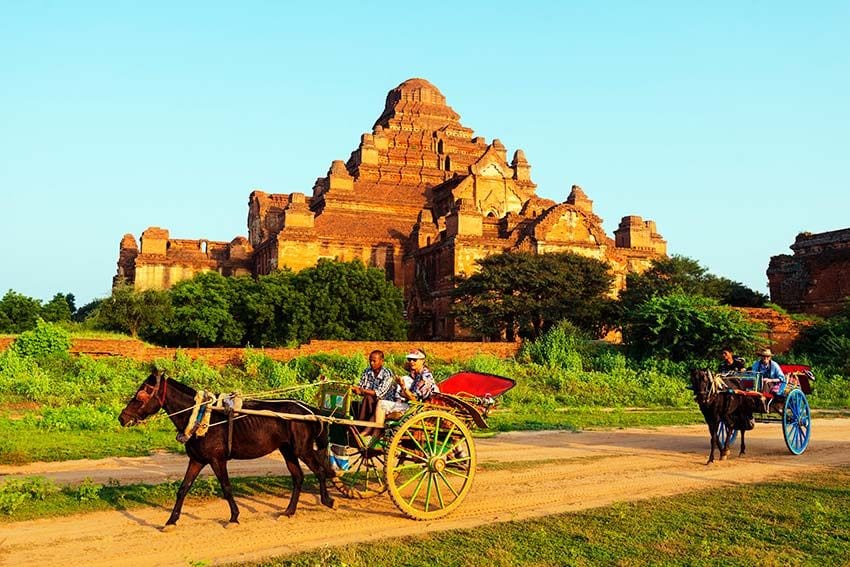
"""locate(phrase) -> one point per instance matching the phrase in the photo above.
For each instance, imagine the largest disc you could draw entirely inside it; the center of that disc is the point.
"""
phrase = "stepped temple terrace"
(422, 198)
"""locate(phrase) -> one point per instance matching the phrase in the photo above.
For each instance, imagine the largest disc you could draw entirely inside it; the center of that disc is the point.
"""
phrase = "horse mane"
(181, 387)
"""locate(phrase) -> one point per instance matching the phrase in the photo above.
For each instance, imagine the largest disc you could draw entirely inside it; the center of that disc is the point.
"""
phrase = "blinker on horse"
(252, 436)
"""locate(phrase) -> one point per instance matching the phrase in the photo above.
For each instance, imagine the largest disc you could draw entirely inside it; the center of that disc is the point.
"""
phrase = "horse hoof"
(231, 525)
(329, 503)
(169, 527)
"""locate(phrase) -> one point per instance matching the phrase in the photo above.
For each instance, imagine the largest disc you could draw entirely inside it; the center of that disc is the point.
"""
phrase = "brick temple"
(422, 198)
(816, 278)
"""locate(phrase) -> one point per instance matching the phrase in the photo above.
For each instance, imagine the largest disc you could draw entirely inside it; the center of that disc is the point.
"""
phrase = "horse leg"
(316, 463)
(743, 444)
(712, 431)
(297, 476)
(188, 479)
(220, 470)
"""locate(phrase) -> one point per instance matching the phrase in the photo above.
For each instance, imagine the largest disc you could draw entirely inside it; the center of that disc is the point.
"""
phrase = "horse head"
(705, 385)
(148, 400)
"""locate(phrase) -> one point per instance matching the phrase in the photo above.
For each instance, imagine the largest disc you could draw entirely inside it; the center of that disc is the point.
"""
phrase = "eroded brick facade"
(422, 198)
(816, 279)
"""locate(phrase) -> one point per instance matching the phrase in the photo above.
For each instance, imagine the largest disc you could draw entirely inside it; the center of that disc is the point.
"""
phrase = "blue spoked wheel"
(797, 422)
(726, 436)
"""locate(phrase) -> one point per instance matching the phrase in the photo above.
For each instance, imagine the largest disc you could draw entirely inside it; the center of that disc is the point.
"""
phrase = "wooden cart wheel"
(430, 464)
(796, 422)
(366, 473)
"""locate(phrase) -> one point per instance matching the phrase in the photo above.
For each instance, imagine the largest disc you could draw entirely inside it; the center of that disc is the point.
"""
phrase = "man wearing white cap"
(421, 384)
(773, 379)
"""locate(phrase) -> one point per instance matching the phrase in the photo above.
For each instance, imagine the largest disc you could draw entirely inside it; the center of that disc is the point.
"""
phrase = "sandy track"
(589, 469)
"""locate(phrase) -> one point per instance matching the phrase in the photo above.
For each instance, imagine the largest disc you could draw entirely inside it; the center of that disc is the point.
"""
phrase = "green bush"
(21, 376)
(561, 346)
(826, 343)
(88, 490)
(45, 339)
(83, 417)
(15, 492)
(490, 365)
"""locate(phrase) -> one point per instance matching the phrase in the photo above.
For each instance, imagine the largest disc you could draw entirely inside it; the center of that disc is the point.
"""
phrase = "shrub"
(45, 339)
(561, 346)
(88, 490)
(21, 376)
(490, 365)
(84, 417)
(15, 492)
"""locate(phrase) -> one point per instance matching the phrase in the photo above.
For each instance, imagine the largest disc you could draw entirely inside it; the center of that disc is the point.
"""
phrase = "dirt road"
(552, 472)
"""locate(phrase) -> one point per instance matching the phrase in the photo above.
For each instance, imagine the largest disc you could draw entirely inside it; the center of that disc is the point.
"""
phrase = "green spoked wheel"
(365, 475)
(430, 464)
(796, 422)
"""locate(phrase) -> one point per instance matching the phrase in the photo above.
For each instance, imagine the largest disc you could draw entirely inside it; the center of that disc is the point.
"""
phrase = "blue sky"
(728, 123)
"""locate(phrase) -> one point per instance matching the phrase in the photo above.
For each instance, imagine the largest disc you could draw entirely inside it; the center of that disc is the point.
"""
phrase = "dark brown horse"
(717, 405)
(252, 437)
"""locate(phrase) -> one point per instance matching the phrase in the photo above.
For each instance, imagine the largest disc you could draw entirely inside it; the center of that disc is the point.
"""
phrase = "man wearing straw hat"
(773, 379)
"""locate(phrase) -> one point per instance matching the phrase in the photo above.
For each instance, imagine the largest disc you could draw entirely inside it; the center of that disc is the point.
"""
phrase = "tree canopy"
(333, 300)
(685, 275)
(349, 301)
(525, 294)
(681, 327)
(132, 312)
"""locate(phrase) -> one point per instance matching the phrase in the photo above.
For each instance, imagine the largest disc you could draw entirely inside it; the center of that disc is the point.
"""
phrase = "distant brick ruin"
(816, 279)
(422, 198)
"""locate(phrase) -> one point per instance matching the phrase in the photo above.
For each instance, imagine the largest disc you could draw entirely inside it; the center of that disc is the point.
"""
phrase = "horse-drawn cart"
(424, 458)
(790, 406)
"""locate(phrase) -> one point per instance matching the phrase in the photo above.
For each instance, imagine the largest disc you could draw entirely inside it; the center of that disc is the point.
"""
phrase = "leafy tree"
(21, 312)
(348, 301)
(5, 323)
(270, 309)
(685, 275)
(524, 293)
(201, 312)
(684, 327)
(87, 310)
(130, 311)
(60, 308)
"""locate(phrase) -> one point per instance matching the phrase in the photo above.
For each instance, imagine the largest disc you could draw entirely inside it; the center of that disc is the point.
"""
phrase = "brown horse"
(252, 437)
(717, 405)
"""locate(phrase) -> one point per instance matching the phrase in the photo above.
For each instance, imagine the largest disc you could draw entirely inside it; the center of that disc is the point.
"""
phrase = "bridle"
(709, 386)
(157, 391)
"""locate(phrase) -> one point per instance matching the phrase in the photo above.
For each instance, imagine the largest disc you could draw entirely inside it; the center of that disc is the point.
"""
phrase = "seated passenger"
(378, 381)
(731, 363)
(773, 379)
(420, 384)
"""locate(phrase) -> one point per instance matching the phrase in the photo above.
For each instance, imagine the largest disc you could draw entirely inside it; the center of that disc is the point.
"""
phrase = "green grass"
(43, 499)
(22, 442)
(800, 522)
